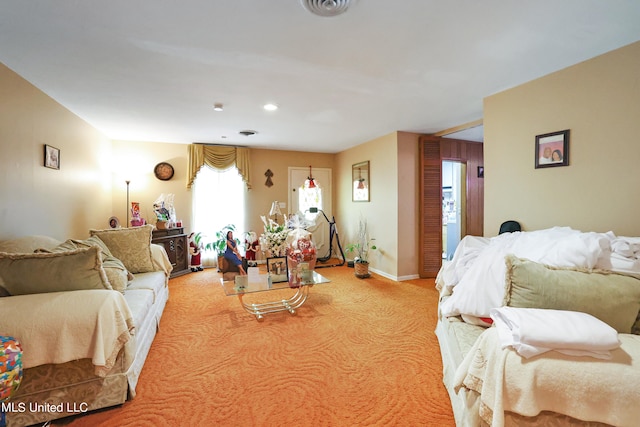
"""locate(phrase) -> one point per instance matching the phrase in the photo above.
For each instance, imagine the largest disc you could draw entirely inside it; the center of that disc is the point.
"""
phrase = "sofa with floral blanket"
(551, 369)
(85, 313)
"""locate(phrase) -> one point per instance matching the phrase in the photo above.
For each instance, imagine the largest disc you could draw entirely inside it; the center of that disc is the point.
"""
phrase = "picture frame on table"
(114, 222)
(552, 149)
(278, 269)
(51, 157)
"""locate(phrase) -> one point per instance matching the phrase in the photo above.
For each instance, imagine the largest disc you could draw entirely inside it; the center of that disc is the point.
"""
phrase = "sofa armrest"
(161, 259)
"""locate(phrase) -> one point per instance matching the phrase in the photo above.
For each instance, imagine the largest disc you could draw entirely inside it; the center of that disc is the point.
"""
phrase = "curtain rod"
(220, 145)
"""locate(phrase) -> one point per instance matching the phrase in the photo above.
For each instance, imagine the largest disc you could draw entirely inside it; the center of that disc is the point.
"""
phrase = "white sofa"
(558, 271)
(85, 334)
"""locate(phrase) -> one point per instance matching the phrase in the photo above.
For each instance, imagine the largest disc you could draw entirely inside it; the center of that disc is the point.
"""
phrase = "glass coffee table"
(244, 285)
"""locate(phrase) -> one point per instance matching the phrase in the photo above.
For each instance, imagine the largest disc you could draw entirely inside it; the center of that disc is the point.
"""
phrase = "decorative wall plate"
(163, 171)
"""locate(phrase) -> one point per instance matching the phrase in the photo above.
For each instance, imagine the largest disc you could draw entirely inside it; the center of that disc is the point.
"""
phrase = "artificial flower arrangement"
(274, 237)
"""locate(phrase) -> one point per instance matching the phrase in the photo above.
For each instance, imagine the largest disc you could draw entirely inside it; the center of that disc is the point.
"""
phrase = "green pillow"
(117, 274)
(611, 297)
(36, 273)
(132, 246)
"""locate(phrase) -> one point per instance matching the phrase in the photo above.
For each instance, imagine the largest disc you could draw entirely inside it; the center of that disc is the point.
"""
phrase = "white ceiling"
(151, 70)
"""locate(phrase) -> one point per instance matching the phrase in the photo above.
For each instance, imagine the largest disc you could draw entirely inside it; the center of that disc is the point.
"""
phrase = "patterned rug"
(360, 352)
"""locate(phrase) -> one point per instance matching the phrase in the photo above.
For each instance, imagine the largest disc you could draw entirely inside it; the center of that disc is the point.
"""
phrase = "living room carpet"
(359, 352)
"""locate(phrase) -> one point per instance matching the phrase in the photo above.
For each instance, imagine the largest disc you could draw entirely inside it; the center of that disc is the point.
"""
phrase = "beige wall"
(260, 197)
(36, 200)
(391, 214)
(408, 204)
(380, 212)
(599, 101)
(135, 161)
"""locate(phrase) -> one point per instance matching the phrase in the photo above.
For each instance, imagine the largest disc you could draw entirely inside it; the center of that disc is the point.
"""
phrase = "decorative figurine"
(195, 262)
(252, 246)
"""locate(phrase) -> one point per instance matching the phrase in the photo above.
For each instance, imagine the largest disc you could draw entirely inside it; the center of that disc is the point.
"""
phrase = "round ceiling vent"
(247, 132)
(326, 7)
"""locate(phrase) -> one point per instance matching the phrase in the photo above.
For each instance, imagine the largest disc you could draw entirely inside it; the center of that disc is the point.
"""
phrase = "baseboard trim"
(394, 278)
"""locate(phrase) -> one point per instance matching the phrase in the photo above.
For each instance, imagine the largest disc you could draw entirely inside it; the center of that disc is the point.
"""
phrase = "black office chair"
(509, 227)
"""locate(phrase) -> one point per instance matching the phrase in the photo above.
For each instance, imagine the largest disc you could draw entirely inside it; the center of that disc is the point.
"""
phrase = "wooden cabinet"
(176, 244)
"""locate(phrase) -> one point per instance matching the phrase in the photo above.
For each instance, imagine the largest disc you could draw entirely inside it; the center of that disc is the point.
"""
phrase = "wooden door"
(433, 150)
(430, 207)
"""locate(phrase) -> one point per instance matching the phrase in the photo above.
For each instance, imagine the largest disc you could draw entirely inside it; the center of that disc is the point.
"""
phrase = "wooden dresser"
(176, 244)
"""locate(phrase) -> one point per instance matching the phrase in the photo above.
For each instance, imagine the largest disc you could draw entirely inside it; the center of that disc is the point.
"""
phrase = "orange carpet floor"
(360, 352)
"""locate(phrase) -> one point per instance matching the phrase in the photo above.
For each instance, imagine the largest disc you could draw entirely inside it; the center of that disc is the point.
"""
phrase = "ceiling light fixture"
(218, 107)
(270, 107)
(326, 7)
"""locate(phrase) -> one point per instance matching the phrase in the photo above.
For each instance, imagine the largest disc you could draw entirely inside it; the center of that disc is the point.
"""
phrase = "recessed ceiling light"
(218, 107)
(270, 107)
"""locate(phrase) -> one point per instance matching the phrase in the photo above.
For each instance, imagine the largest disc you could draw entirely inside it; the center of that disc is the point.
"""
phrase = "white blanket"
(584, 388)
(481, 288)
(533, 331)
(59, 327)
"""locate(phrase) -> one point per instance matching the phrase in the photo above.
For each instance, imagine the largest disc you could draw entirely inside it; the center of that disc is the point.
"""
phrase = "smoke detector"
(247, 132)
(326, 7)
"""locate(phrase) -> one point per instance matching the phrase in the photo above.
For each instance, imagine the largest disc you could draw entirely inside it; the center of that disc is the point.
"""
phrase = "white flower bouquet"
(274, 237)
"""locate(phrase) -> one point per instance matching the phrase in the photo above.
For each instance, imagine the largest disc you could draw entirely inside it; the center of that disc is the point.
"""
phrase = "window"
(218, 200)
(310, 196)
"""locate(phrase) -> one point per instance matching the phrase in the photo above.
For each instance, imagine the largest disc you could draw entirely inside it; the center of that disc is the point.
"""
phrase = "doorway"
(433, 152)
(320, 198)
(453, 206)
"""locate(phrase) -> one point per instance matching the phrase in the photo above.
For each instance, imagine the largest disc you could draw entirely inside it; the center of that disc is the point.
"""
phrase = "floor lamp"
(128, 182)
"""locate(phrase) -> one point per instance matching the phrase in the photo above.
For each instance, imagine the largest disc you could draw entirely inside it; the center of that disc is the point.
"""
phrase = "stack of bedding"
(568, 285)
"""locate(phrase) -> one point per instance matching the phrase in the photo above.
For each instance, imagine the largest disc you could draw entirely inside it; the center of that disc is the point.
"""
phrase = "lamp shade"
(275, 209)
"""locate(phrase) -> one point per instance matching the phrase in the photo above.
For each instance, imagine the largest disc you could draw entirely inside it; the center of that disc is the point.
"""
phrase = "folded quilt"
(533, 331)
(581, 387)
(59, 327)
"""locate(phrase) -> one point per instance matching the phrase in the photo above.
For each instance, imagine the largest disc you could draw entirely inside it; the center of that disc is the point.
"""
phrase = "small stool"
(10, 369)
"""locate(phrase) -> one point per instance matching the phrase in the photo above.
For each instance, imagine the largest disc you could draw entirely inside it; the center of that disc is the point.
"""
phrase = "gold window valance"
(218, 157)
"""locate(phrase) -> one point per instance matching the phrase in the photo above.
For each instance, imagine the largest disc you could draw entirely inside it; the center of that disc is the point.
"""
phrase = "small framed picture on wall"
(51, 157)
(552, 149)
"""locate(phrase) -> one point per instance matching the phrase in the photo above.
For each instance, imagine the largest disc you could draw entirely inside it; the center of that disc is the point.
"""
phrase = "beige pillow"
(132, 246)
(27, 244)
(612, 298)
(36, 273)
(117, 274)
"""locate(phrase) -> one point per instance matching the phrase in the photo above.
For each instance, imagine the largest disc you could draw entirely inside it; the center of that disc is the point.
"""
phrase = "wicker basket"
(362, 269)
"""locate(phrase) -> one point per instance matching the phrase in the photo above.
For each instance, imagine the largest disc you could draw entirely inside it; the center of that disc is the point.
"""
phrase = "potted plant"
(219, 244)
(361, 249)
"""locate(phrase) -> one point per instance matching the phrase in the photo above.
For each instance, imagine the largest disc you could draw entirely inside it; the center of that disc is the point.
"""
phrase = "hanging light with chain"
(312, 183)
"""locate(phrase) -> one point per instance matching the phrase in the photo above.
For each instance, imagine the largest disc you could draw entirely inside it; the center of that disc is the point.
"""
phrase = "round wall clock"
(163, 171)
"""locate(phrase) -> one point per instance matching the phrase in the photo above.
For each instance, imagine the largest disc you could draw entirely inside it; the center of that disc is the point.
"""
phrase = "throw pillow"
(611, 297)
(35, 273)
(132, 246)
(115, 270)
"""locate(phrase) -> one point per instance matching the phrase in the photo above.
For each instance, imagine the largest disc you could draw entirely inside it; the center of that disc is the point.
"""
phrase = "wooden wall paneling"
(475, 186)
(431, 207)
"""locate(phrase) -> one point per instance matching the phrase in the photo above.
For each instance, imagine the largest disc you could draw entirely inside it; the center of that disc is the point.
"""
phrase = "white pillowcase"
(533, 331)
